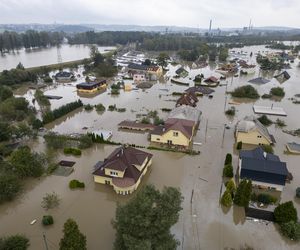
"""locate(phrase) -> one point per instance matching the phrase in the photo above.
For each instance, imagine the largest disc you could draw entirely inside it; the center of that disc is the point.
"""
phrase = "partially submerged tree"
(50, 200)
(145, 221)
(73, 239)
(285, 212)
(291, 230)
(226, 199)
(14, 242)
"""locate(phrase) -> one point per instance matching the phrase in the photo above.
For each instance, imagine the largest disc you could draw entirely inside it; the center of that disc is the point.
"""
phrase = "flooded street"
(203, 224)
(46, 56)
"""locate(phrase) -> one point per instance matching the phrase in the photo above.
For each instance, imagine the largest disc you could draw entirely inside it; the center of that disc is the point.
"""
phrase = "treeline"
(10, 41)
(50, 116)
(109, 37)
(16, 76)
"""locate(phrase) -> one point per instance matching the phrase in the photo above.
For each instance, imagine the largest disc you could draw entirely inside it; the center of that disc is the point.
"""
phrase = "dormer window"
(113, 173)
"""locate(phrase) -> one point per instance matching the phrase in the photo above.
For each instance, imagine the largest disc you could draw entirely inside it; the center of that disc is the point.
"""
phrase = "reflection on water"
(202, 224)
(46, 56)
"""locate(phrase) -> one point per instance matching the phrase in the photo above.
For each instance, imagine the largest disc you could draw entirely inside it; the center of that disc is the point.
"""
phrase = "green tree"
(146, 219)
(20, 66)
(265, 120)
(243, 193)
(228, 159)
(291, 230)
(246, 91)
(277, 91)
(228, 171)
(50, 200)
(25, 163)
(226, 199)
(73, 239)
(162, 59)
(298, 192)
(5, 131)
(5, 93)
(9, 186)
(231, 187)
(285, 212)
(14, 242)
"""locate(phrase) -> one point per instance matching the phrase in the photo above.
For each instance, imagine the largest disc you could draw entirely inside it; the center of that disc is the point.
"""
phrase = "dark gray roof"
(200, 89)
(259, 80)
(63, 74)
(259, 166)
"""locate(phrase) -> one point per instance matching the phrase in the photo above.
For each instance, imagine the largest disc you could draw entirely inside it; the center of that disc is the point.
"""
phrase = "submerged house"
(182, 72)
(64, 76)
(91, 87)
(179, 128)
(151, 72)
(265, 170)
(188, 98)
(123, 169)
(212, 80)
(282, 77)
(252, 131)
(200, 90)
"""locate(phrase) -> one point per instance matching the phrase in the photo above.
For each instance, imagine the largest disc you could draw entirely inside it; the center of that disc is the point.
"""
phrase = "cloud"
(194, 13)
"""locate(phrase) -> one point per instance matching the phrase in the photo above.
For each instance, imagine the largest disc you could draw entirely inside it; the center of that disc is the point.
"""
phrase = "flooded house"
(200, 90)
(179, 128)
(212, 80)
(182, 72)
(139, 77)
(123, 169)
(91, 87)
(252, 131)
(265, 170)
(151, 72)
(64, 76)
(189, 99)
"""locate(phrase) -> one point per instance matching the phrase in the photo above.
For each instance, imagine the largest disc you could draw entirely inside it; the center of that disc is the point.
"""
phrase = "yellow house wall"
(251, 138)
(120, 173)
(92, 90)
(181, 139)
(101, 179)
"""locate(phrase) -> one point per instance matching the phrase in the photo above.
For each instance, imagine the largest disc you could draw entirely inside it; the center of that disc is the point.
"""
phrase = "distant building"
(265, 170)
(152, 72)
(91, 87)
(64, 76)
(251, 131)
(123, 169)
(138, 78)
(182, 72)
(188, 98)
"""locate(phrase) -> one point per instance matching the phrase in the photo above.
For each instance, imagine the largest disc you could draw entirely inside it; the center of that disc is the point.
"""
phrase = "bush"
(278, 91)
(158, 121)
(266, 96)
(112, 107)
(228, 171)
(245, 92)
(243, 193)
(291, 230)
(9, 185)
(228, 159)
(88, 107)
(298, 192)
(239, 145)
(14, 242)
(268, 149)
(285, 212)
(231, 187)
(230, 112)
(100, 107)
(48, 79)
(145, 120)
(121, 110)
(226, 199)
(266, 198)
(280, 123)
(72, 151)
(50, 200)
(47, 220)
(76, 184)
(115, 92)
(265, 120)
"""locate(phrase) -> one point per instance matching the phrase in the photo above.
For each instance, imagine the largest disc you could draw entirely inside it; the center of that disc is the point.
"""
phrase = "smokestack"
(210, 23)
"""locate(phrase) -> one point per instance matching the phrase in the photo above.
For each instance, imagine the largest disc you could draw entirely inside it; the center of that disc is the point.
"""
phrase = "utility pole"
(45, 241)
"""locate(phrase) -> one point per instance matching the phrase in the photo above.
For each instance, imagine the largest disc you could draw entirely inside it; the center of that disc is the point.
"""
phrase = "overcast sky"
(192, 13)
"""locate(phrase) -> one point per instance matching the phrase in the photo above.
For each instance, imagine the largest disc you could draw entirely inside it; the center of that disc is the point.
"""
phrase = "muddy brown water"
(203, 224)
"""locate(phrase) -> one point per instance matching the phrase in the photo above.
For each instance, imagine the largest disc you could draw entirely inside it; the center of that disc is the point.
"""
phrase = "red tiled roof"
(184, 126)
(187, 99)
(212, 79)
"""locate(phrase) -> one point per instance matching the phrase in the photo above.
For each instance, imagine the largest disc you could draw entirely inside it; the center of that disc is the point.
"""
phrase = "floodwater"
(203, 224)
(45, 56)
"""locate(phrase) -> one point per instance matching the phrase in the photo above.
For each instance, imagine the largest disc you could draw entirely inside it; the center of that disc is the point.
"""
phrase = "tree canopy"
(145, 221)
(285, 212)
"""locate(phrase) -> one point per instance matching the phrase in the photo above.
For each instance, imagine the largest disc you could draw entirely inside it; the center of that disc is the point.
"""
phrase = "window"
(158, 139)
(259, 136)
(113, 173)
(175, 134)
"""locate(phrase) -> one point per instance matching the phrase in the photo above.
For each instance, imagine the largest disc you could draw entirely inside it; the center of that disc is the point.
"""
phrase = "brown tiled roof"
(184, 126)
(187, 99)
(200, 89)
(124, 159)
(212, 79)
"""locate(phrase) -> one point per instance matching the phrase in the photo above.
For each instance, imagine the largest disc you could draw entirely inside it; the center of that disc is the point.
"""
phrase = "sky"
(188, 13)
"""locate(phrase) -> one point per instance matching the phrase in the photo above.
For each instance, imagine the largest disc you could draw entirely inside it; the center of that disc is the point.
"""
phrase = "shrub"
(231, 187)
(266, 96)
(50, 200)
(266, 198)
(247, 91)
(48, 79)
(298, 192)
(285, 212)
(228, 159)
(278, 91)
(115, 92)
(47, 220)
(265, 120)
(228, 171)
(226, 199)
(88, 107)
(100, 107)
(112, 107)
(72, 151)
(14, 242)
(230, 112)
(280, 123)
(76, 184)
(291, 230)
(145, 120)
(158, 121)
(268, 149)
(122, 110)
(239, 145)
